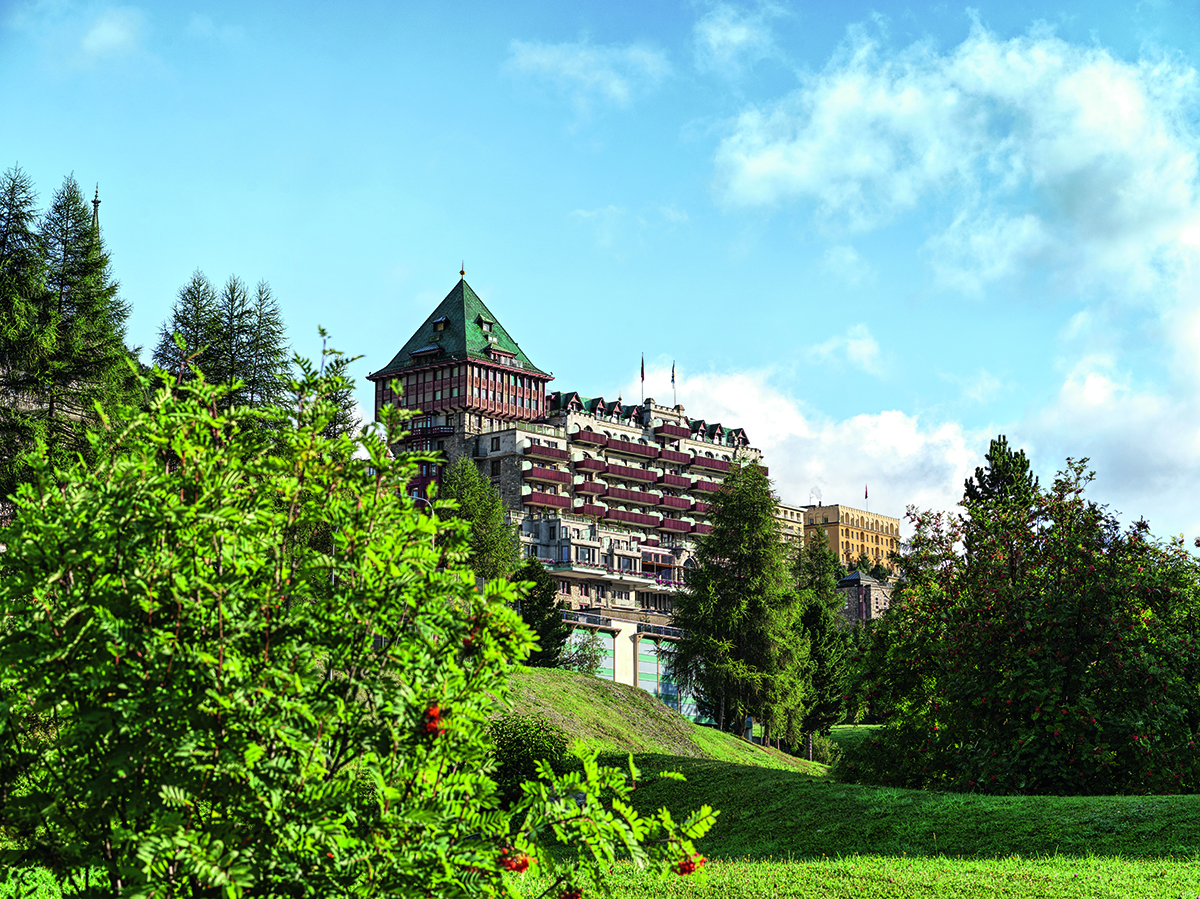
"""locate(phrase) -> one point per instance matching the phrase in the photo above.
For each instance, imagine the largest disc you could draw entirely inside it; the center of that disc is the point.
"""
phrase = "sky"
(872, 235)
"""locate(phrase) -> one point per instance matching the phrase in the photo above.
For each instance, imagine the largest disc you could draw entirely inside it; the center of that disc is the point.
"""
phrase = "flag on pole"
(643, 368)
(865, 494)
(672, 374)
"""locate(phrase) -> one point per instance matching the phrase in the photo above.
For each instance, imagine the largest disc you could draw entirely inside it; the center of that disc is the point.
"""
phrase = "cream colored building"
(852, 531)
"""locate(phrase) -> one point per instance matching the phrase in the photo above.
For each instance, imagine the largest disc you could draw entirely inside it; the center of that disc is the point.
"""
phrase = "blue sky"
(872, 235)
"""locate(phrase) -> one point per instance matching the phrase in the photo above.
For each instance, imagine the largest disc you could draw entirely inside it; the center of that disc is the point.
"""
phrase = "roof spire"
(96, 208)
(462, 272)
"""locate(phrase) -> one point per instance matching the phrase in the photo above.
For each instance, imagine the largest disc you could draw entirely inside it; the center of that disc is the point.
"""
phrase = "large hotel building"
(609, 495)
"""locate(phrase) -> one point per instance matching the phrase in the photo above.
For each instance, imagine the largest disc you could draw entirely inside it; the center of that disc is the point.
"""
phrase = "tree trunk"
(721, 712)
(808, 746)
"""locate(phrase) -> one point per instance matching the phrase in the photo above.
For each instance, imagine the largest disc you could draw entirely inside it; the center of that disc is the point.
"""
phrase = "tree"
(1036, 647)
(64, 354)
(192, 701)
(194, 322)
(542, 613)
(495, 549)
(743, 650)
(583, 653)
(823, 626)
(1007, 478)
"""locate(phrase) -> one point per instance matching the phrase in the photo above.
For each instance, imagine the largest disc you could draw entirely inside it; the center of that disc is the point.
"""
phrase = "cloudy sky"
(874, 235)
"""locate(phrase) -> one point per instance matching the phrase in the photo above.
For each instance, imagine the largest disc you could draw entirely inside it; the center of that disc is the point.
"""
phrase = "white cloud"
(856, 347)
(902, 458)
(728, 40)
(588, 73)
(116, 32)
(845, 263)
(1052, 157)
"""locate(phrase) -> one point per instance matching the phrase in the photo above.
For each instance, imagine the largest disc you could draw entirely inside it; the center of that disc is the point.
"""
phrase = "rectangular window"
(564, 587)
(495, 444)
(495, 468)
(585, 590)
(453, 391)
(564, 554)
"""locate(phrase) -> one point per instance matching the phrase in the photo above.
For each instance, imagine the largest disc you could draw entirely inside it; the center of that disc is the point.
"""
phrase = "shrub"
(825, 750)
(521, 742)
(222, 680)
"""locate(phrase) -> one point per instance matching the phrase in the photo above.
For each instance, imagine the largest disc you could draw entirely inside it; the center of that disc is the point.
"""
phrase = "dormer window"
(487, 327)
(439, 326)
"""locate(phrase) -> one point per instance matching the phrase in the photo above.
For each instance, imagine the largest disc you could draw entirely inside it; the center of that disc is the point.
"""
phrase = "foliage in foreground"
(197, 698)
(1036, 648)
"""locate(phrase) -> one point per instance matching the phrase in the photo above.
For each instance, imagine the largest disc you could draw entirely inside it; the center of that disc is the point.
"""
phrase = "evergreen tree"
(494, 544)
(829, 642)
(743, 650)
(540, 609)
(193, 320)
(1005, 478)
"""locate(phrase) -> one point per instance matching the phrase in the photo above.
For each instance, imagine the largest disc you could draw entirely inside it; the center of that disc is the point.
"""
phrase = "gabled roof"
(462, 337)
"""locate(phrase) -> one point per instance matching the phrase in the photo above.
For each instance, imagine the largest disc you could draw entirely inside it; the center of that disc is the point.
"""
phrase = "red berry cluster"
(509, 862)
(433, 721)
(571, 893)
(689, 864)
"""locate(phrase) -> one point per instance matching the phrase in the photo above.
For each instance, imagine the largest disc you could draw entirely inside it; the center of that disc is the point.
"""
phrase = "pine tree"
(265, 350)
(541, 610)
(743, 651)
(494, 544)
(829, 642)
(1007, 477)
(193, 320)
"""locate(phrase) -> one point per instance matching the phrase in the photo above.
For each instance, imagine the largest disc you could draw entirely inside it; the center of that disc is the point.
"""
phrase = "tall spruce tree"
(829, 641)
(66, 361)
(495, 550)
(541, 610)
(743, 651)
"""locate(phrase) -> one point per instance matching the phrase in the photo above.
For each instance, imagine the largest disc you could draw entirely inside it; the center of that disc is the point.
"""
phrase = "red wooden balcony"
(675, 526)
(593, 488)
(650, 541)
(706, 486)
(546, 500)
(546, 475)
(676, 457)
(592, 510)
(547, 452)
(589, 436)
(710, 464)
(675, 502)
(675, 480)
(672, 431)
(590, 465)
(633, 474)
(635, 518)
(629, 448)
(701, 508)
(621, 495)
(701, 528)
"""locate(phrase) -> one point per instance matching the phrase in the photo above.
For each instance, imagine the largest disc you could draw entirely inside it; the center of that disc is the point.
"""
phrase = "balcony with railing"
(628, 448)
(591, 510)
(545, 475)
(537, 451)
(673, 431)
(701, 528)
(592, 620)
(593, 488)
(706, 486)
(707, 464)
(432, 431)
(649, 475)
(587, 435)
(675, 502)
(675, 480)
(701, 508)
(642, 497)
(660, 630)
(545, 500)
(635, 518)
(592, 465)
(677, 457)
(675, 526)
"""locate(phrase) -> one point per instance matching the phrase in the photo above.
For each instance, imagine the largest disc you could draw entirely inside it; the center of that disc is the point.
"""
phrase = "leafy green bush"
(825, 750)
(222, 679)
(521, 741)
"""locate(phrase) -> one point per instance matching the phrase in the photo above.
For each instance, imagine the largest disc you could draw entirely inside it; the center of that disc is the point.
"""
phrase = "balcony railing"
(547, 500)
(675, 502)
(701, 528)
(590, 465)
(706, 486)
(660, 630)
(675, 480)
(710, 464)
(594, 488)
(632, 474)
(676, 457)
(593, 620)
(591, 510)
(632, 449)
(672, 431)
(636, 518)
(547, 452)
(432, 431)
(675, 526)
(701, 508)
(589, 436)
(633, 496)
(547, 475)
(650, 541)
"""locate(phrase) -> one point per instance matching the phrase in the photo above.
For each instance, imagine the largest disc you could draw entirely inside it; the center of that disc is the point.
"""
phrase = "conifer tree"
(494, 545)
(193, 319)
(829, 642)
(743, 650)
(541, 610)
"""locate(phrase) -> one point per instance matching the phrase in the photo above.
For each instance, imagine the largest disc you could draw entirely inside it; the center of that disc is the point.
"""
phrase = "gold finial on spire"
(462, 272)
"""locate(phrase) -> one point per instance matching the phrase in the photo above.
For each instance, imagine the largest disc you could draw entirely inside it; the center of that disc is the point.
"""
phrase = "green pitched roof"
(463, 337)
